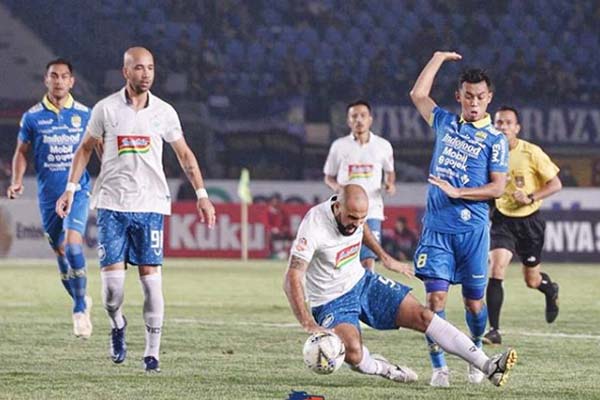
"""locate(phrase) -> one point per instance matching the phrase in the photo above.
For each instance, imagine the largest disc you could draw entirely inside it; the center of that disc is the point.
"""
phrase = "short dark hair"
(359, 102)
(60, 61)
(475, 75)
(510, 108)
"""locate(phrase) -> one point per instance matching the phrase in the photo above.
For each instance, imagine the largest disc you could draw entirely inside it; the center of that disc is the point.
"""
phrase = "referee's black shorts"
(523, 236)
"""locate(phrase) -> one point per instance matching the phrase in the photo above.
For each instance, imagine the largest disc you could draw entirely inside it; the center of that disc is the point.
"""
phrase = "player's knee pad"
(74, 252)
(473, 292)
(436, 285)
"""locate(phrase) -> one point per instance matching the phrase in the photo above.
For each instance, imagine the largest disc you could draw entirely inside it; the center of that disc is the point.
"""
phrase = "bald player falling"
(341, 292)
(132, 197)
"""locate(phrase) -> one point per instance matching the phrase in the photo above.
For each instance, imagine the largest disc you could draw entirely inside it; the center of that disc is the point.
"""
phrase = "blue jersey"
(465, 154)
(54, 135)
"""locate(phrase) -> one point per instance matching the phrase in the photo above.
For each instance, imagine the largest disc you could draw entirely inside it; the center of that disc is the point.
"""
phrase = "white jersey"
(132, 176)
(362, 164)
(334, 266)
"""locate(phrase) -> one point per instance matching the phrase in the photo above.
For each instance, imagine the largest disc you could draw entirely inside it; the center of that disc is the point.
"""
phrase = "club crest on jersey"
(519, 181)
(465, 214)
(133, 144)
(360, 171)
(346, 255)
(76, 121)
(480, 135)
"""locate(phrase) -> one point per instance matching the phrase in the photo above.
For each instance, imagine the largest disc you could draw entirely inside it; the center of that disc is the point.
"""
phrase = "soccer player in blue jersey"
(53, 129)
(468, 168)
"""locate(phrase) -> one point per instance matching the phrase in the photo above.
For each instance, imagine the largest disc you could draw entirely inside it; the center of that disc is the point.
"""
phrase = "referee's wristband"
(201, 193)
(71, 187)
(530, 197)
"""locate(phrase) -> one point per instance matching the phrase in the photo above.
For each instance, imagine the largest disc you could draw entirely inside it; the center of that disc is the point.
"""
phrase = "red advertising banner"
(270, 230)
(186, 236)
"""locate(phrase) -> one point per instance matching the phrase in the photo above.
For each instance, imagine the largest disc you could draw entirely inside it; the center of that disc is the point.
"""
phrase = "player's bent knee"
(74, 252)
(497, 271)
(473, 294)
(353, 352)
(423, 319)
(413, 315)
(532, 282)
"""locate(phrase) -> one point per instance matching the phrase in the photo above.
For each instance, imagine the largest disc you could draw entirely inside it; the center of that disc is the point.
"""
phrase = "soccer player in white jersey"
(360, 158)
(341, 292)
(132, 196)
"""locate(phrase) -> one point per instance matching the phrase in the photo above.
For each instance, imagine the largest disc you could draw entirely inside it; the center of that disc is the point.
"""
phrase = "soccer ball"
(324, 352)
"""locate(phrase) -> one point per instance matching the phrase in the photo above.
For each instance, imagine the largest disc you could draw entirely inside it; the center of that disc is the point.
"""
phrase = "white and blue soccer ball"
(324, 352)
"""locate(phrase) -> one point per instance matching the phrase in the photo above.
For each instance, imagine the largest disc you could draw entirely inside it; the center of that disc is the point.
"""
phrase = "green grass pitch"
(229, 334)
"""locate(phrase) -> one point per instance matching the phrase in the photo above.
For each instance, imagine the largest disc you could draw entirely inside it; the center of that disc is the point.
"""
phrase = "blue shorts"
(374, 300)
(132, 237)
(375, 227)
(459, 258)
(54, 226)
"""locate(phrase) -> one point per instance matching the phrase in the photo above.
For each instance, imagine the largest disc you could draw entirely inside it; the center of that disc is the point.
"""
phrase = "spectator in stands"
(403, 241)
(279, 227)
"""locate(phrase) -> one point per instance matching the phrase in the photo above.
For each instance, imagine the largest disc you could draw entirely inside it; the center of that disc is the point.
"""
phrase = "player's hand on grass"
(447, 55)
(521, 198)
(206, 211)
(15, 190)
(397, 266)
(445, 186)
(64, 203)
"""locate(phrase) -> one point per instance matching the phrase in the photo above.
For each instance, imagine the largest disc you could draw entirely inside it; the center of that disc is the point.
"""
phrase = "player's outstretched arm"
(388, 261)
(80, 161)
(19, 166)
(189, 165)
(420, 93)
(491, 190)
(293, 287)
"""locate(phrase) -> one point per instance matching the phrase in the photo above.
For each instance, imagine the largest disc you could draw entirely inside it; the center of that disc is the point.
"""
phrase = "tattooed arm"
(189, 165)
(293, 287)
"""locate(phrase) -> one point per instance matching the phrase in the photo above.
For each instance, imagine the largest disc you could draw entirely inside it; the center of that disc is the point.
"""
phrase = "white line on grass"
(296, 325)
(238, 323)
(556, 335)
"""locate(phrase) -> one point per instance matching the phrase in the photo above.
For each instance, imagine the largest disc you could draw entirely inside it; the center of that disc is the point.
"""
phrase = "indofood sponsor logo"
(460, 145)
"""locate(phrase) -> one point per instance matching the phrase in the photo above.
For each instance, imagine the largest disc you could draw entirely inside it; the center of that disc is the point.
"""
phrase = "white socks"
(154, 311)
(368, 365)
(113, 283)
(455, 342)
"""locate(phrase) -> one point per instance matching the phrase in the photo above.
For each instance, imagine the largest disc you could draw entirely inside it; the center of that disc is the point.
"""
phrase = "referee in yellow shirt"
(517, 226)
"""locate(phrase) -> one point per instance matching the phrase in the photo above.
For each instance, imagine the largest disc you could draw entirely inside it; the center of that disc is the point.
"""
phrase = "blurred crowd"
(328, 50)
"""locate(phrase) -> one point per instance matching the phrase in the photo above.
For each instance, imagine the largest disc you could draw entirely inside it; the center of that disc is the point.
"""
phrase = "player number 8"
(421, 260)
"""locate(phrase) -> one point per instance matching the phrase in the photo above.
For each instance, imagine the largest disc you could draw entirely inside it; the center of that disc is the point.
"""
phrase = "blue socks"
(78, 278)
(436, 354)
(476, 324)
(63, 268)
